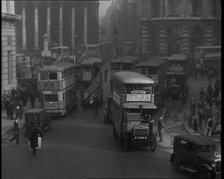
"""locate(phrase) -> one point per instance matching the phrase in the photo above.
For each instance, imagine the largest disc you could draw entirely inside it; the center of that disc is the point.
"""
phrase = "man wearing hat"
(193, 106)
(16, 131)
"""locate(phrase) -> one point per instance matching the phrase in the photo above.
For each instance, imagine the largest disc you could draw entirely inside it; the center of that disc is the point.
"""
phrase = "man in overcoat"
(16, 131)
(33, 138)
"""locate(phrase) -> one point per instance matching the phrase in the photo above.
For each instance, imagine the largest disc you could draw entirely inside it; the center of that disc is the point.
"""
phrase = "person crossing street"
(16, 131)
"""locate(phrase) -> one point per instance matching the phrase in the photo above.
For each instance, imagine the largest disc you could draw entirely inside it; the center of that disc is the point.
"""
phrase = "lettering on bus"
(138, 92)
(138, 97)
(116, 97)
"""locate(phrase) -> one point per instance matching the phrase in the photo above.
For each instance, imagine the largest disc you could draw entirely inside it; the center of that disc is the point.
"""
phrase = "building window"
(9, 40)
(8, 6)
(214, 9)
(196, 8)
(155, 8)
(9, 55)
(174, 6)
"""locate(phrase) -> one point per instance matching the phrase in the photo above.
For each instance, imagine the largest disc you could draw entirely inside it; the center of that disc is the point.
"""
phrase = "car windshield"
(206, 148)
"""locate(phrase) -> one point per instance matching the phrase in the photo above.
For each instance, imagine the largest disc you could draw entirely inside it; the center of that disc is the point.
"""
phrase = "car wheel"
(153, 144)
(204, 173)
(174, 164)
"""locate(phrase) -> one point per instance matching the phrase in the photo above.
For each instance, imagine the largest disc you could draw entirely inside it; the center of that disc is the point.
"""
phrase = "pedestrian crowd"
(16, 99)
(205, 111)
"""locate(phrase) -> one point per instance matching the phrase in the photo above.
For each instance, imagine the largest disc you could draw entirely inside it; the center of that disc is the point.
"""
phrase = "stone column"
(185, 42)
(23, 28)
(166, 8)
(49, 25)
(36, 35)
(162, 43)
(60, 25)
(73, 28)
(85, 26)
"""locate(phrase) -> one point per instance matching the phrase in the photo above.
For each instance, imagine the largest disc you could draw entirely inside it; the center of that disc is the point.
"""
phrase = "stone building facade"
(8, 60)
(165, 27)
(177, 26)
(67, 23)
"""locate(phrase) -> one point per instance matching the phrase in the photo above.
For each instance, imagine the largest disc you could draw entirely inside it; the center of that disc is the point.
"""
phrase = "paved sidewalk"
(7, 124)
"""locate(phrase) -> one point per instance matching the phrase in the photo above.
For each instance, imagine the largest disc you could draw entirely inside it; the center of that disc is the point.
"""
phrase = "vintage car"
(196, 154)
(37, 118)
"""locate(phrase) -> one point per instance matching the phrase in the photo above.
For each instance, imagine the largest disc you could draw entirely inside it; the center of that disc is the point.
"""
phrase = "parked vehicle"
(132, 109)
(196, 154)
(37, 118)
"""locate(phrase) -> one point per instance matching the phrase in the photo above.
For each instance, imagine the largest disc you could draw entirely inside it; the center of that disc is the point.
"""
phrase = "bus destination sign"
(138, 97)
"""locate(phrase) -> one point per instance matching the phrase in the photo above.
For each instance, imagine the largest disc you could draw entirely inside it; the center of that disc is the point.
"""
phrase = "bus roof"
(125, 59)
(211, 46)
(35, 110)
(213, 55)
(197, 139)
(143, 105)
(151, 63)
(60, 47)
(129, 77)
(180, 57)
(90, 61)
(56, 67)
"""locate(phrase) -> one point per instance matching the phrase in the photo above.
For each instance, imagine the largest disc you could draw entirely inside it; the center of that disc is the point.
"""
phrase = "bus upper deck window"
(44, 75)
(52, 75)
(144, 71)
(126, 67)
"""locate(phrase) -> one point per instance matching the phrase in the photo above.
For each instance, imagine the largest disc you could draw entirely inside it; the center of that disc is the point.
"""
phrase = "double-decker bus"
(201, 51)
(132, 108)
(177, 77)
(58, 86)
(156, 70)
(213, 62)
(123, 63)
(91, 80)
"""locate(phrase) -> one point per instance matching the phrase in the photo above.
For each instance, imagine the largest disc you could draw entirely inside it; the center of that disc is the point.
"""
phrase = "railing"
(89, 92)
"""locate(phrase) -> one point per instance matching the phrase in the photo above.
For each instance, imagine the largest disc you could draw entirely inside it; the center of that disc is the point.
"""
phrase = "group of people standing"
(16, 99)
(204, 110)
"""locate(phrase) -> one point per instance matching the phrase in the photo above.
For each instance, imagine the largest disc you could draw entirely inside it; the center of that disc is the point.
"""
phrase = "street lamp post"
(115, 33)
